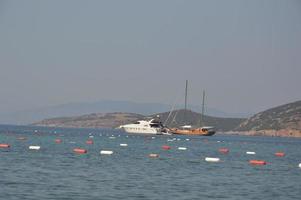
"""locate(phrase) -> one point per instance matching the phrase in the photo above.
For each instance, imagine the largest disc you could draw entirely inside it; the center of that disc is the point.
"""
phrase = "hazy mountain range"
(104, 106)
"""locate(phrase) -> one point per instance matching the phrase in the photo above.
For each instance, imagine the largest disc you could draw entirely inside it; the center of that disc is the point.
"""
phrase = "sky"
(245, 54)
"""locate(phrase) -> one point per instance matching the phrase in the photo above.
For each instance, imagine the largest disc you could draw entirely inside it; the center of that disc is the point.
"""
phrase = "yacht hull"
(197, 131)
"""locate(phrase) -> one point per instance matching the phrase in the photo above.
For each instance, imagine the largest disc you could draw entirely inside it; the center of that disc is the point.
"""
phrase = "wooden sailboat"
(188, 129)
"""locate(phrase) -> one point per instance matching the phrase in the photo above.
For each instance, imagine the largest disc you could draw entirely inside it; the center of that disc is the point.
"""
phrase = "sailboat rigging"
(187, 129)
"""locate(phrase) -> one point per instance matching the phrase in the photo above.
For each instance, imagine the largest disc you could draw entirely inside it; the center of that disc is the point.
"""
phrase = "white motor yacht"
(152, 126)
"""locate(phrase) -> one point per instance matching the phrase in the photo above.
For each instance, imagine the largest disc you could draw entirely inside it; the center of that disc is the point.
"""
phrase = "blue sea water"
(56, 172)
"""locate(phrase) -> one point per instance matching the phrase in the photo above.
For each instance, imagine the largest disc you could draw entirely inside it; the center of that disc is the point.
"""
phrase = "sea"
(56, 172)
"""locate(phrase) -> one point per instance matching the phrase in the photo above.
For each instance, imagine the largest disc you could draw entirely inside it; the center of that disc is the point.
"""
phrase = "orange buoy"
(257, 162)
(4, 145)
(58, 141)
(89, 142)
(79, 150)
(223, 150)
(153, 155)
(279, 154)
(166, 147)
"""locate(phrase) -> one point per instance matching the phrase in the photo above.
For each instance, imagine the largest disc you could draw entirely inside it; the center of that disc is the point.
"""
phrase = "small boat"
(190, 130)
(152, 126)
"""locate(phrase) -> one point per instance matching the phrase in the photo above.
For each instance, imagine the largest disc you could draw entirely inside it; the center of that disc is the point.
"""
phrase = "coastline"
(269, 132)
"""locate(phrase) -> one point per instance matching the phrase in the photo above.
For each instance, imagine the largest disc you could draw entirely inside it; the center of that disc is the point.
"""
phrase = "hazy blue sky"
(246, 54)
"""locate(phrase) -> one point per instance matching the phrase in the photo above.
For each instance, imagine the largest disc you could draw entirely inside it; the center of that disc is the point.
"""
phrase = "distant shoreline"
(271, 133)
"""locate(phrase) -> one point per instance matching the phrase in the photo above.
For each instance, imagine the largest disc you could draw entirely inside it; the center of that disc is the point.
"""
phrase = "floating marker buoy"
(21, 138)
(89, 142)
(80, 151)
(223, 150)
(299, 165)
(250, 153)
(166, 147)
(123, 145)
(182, 148)
(257, 162)
(34, 147)
(153, 155)
(105, 152)
(58, 141)
(91, 136)
(153, 138)
(208, 159)
(279, 154)
(112, 137)
(187, 139)
(4, 145)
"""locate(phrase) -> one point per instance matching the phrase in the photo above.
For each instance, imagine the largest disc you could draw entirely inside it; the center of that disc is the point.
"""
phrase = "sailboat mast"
(186, 95)
(185, 108)
(203, 109)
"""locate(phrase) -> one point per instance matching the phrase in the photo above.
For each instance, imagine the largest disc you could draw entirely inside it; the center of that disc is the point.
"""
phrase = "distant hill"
(182, 117)
(283, 120)
(95, 120)
(103, 106)
(111, 120)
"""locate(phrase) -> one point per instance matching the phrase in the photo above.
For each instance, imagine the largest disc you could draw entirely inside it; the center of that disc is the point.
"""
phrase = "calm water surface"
(55, 172)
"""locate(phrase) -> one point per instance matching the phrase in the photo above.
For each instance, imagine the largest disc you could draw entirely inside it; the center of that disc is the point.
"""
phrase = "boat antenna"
(203, 109)
(185, 108)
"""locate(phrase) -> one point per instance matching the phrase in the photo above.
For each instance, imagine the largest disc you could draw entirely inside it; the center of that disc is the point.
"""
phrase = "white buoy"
(208, 159)
(105, 152)
(123, 145)
(182, 148)
(34, 147)
(112, 137)
(153, 138)
(187, 139)
(91, 136)
(299, 165)
(250, 153)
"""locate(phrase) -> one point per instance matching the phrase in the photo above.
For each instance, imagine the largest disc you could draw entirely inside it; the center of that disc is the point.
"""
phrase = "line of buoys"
(153, 155)
(166, 147)
(223, 150)
(123, 145)
(89, 142)
(80, 151)
(209, 159)
(182, 148)
(34, 147)
(106, 152)
(280, 154)
(58, 141)
(250, 153)
(4, 145)
(257, 162)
